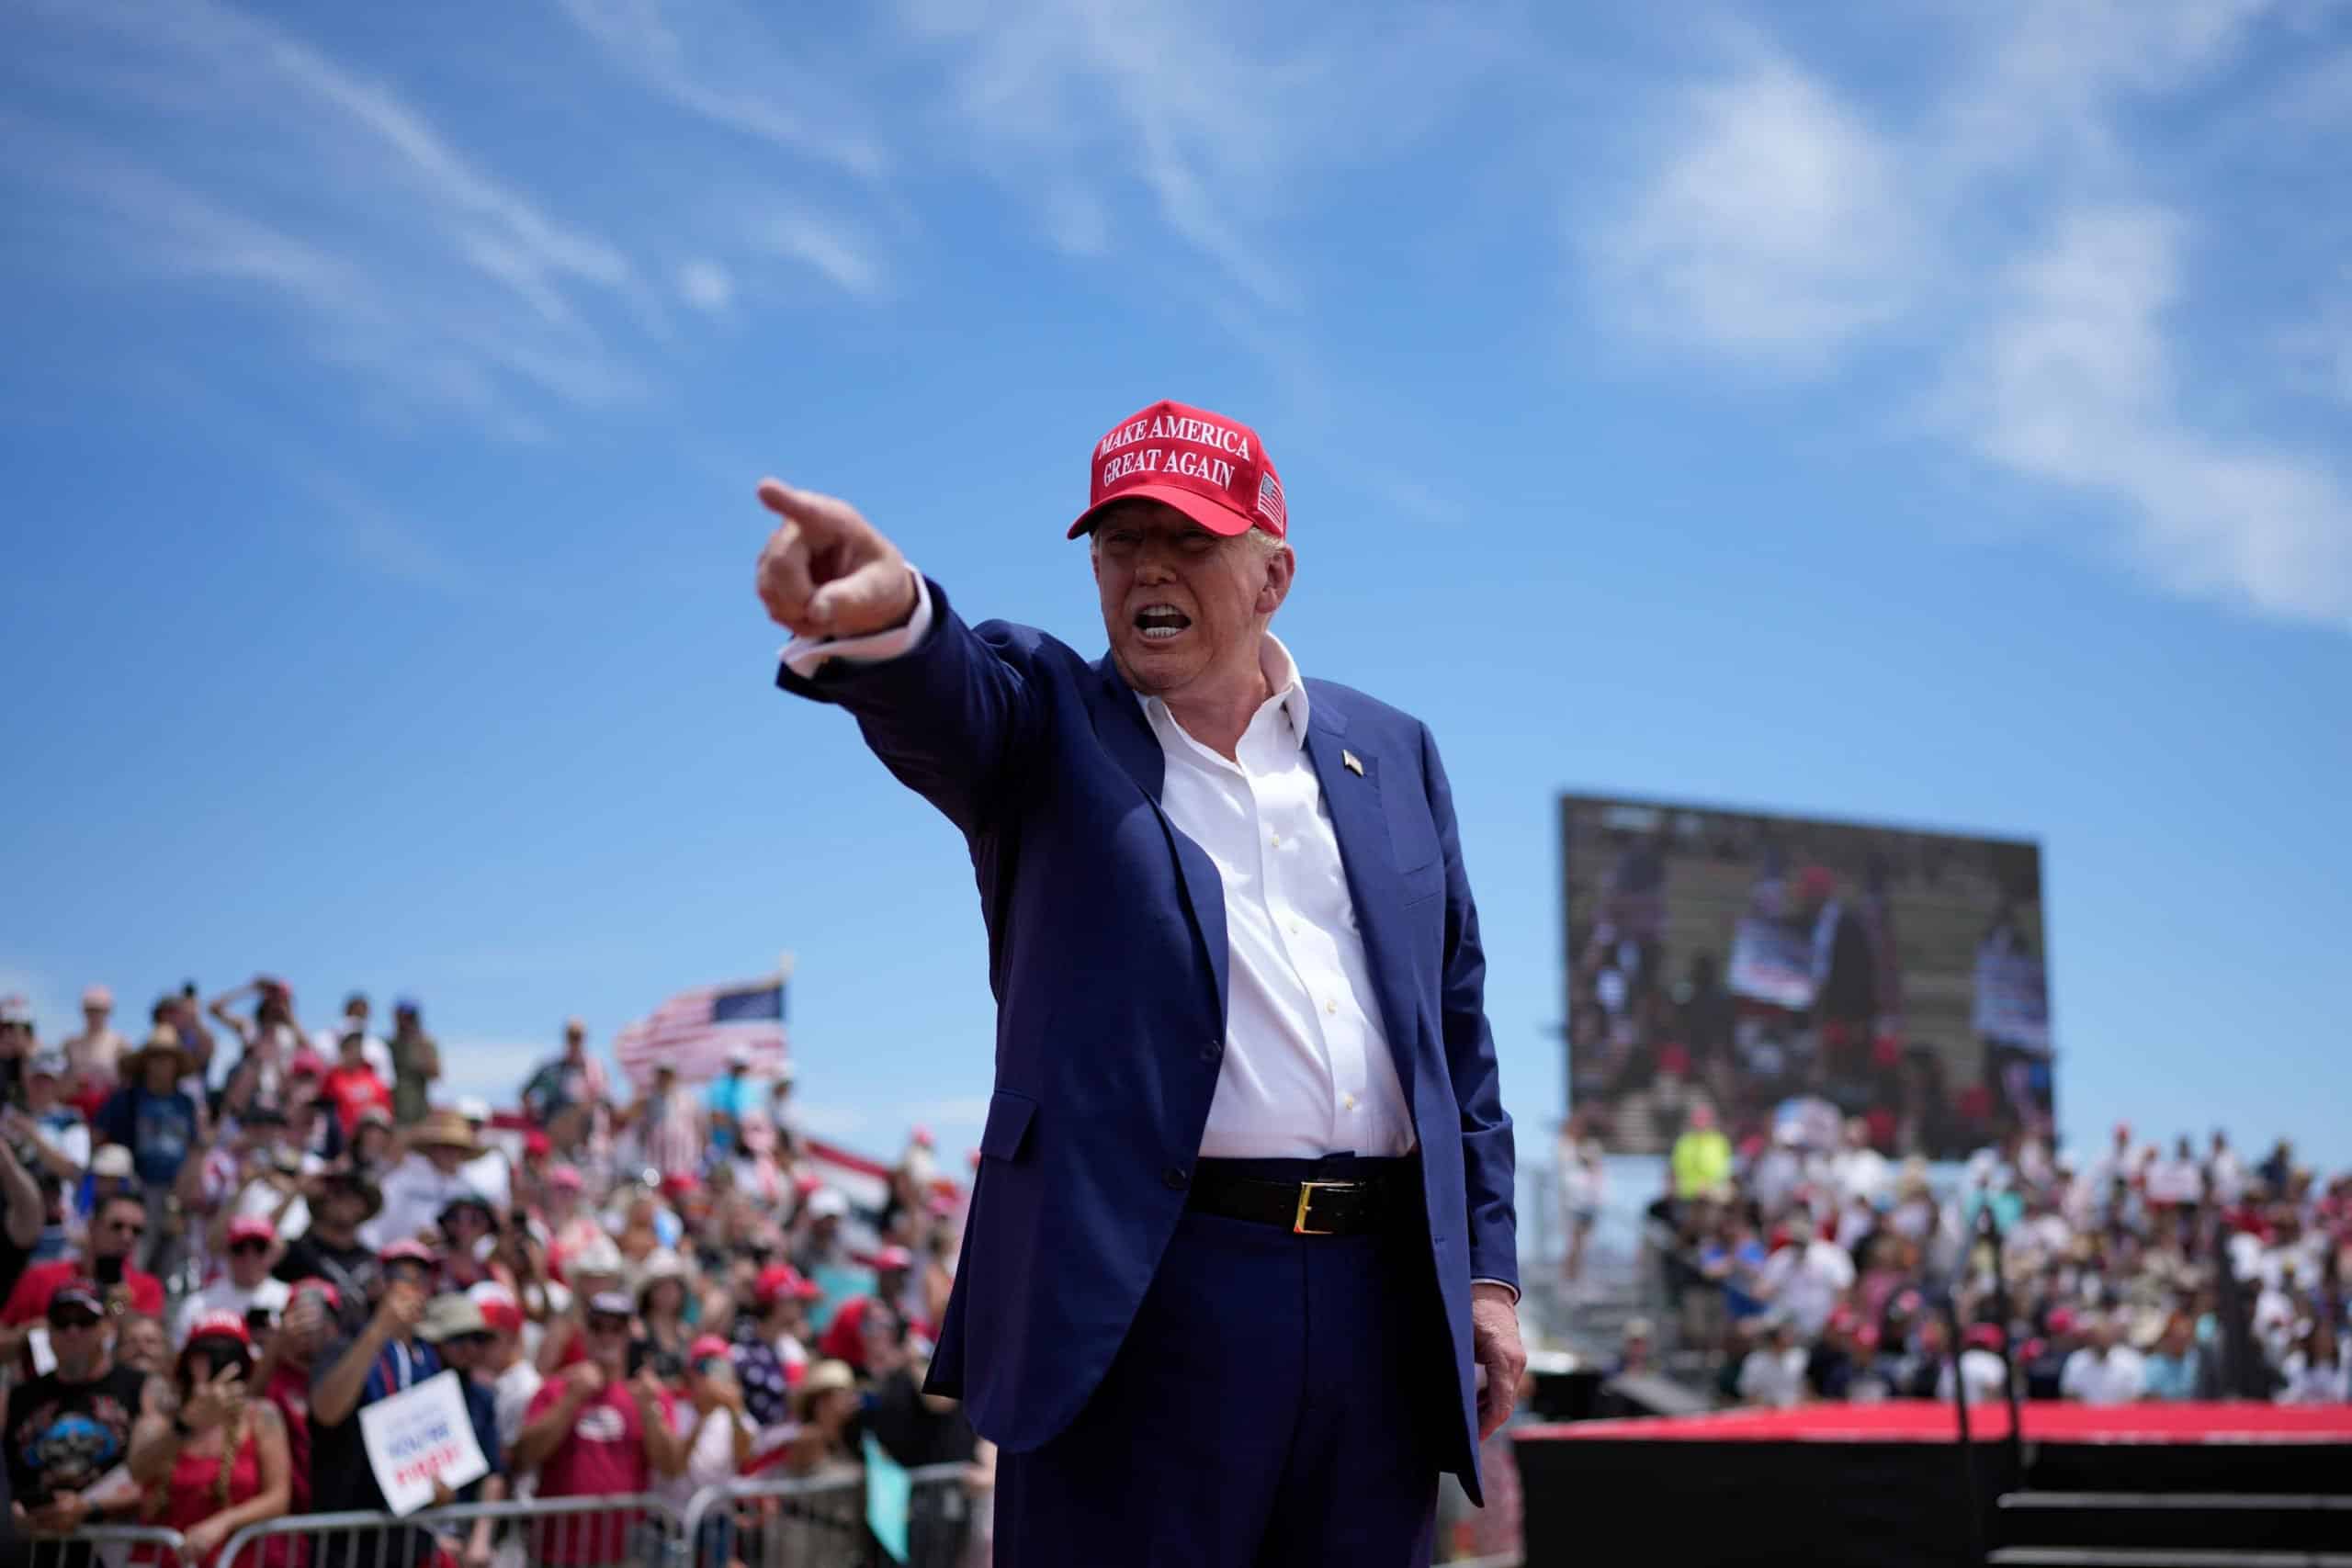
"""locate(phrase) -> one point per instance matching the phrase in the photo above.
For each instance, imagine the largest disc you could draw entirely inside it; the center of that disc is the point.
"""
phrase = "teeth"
(1158, 623)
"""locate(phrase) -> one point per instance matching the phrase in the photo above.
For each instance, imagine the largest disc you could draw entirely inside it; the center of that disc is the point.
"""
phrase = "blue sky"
(1941, 417)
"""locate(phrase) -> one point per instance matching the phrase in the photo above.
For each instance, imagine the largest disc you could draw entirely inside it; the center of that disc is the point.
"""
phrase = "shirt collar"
(1283, 679)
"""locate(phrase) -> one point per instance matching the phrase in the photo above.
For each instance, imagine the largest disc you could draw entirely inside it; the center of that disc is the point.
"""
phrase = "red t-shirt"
(353, 1090)
(29, 1302)
(601, 1456)
(289, 1390)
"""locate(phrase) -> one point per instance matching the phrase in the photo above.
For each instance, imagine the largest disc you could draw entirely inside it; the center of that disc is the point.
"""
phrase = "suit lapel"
(1120, 725)
(1369, 854)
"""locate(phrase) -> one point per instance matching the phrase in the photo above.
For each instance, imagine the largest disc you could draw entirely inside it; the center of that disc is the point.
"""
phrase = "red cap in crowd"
(564, 1177)
(307, 1063)
(1985, 1336)
(1866, 1338)
(1815, 881)
(535, 1144)
(411, 1249)
(501, 1313)
(251, 1227)
(778, 1281)
(893, 1257)
(323, 1288)
(921, 1137)
(1674, 1061)
(2061, 1320)
(705, 1346)
(678, 1183)
(221, 1325)
(1213, 469)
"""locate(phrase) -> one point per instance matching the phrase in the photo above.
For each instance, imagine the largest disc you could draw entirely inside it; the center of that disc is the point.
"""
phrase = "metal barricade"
(104, 1546)
(550, 1532)
(820, 1522)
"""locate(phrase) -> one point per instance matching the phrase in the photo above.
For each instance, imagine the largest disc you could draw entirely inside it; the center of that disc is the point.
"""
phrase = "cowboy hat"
(359, 1184)
(445, 1129)
(824, 1377)
(165, 1038)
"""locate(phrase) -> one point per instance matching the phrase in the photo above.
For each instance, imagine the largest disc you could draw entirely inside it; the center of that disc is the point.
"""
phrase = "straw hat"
(824, 1377)
(165, 1038)
(358, 1183)
(661, 1264)
(445, 1129)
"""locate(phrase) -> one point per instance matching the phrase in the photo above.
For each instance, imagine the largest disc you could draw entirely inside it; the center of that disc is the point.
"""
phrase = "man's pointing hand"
(827, 571)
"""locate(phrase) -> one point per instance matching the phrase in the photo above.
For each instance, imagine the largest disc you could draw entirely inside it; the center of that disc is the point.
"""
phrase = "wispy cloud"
(724, 68)
(705, 285)
(831, 250)
(2004, 238)
(1217, 115)
(266, 167)
(1776, 227)
(2071, 382)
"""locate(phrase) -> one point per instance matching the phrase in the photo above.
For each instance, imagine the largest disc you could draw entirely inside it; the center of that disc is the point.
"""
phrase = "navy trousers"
(1276, 1404)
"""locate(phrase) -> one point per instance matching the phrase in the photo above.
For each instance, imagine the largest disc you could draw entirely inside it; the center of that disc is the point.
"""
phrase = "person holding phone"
(219, 1462)
(595, 1429)
(116, 1230)
(385, 1358)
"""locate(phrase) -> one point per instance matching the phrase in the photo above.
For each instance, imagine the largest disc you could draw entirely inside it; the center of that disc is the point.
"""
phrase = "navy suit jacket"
(1107, 954)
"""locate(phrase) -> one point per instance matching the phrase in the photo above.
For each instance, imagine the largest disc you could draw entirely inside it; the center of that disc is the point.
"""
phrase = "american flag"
(694, 1032)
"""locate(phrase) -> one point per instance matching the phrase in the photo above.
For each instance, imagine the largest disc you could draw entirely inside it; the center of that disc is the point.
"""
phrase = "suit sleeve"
(948, 718)
(1488, 1163)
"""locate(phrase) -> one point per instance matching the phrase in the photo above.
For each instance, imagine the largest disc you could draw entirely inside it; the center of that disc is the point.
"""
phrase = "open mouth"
(1161, 623)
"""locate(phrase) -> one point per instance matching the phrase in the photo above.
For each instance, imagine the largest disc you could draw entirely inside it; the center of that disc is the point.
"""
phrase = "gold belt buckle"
(1306, 1196)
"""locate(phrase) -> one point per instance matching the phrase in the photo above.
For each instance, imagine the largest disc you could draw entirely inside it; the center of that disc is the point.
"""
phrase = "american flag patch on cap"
(1270, 502)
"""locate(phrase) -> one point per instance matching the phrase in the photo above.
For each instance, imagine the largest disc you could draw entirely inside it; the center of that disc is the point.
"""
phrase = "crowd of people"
(1804, 1264)
(226, 1238)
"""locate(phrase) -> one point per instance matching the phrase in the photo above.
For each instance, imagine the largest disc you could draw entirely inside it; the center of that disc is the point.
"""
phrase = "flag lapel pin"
(1348, 760)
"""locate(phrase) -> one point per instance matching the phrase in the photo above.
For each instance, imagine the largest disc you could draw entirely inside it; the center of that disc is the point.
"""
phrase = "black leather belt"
(1349, 1205)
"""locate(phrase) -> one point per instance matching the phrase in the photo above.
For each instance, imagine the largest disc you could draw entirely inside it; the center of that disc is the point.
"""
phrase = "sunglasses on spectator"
(601, 1325)
(477, 1341)
(74, 1320)
(248, 1247)
(126, 1227)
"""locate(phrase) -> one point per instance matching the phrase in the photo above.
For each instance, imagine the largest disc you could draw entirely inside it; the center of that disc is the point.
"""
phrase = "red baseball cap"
(221, 1325)
(251, 1227)
(779, 1281)
(1211, 469)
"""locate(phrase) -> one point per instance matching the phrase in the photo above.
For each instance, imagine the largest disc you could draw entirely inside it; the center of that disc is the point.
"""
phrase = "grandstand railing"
(760, 1521)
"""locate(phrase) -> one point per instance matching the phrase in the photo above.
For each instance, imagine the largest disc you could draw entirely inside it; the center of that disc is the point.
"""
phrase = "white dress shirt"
(1307, 1069)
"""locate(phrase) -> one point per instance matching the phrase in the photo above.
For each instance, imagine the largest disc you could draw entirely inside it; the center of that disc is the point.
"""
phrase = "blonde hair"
(1267, 545)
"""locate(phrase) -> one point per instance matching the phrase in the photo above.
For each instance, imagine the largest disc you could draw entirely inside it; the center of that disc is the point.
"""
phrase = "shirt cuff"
(802, 654)
(1506, 1284)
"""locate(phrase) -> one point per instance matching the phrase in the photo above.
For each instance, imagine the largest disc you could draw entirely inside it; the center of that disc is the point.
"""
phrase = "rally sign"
(420, 1436)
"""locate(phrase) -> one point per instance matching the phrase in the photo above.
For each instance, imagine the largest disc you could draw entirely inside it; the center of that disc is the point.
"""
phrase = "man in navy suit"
(1241, 1275)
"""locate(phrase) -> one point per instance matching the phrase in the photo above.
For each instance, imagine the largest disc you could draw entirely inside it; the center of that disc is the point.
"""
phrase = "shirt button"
(1175, 1179)
(1348, 1100)
(1294, 928)
(1330, 1006)
(1212, 1050)
(1278, 841)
